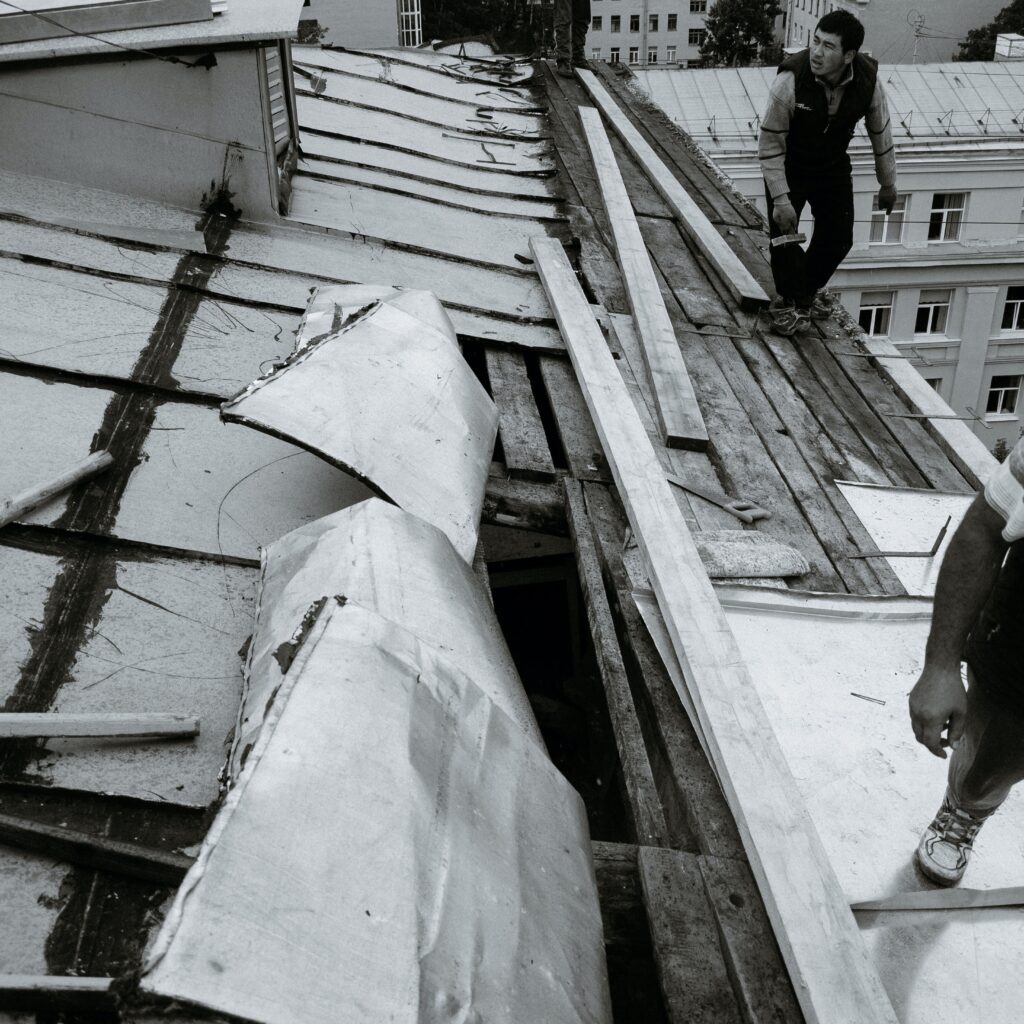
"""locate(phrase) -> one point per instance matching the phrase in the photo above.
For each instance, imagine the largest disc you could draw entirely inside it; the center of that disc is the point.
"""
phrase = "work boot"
(786, 319)
(821, 306)
(580, 61)
(564, 68)
(945, 848)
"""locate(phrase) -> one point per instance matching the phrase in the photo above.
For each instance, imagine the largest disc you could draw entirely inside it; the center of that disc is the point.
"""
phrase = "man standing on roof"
(978, 617)
(814, 105)
(572, 19)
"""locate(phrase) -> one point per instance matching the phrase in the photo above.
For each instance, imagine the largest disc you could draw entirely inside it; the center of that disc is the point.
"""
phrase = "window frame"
(671, 22)
(615, 23)
(634, 23)
(877, 311)
(634, 56)
(1016, 302)
(936, 312)
(942, 217)
(1000, 392)
(885, 222)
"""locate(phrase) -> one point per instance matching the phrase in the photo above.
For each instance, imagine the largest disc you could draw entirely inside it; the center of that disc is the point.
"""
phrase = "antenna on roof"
(983, 120)
(948, 118)
(906, 120)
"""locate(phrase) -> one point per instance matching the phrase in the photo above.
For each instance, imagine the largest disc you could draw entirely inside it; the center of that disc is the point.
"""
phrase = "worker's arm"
(771, 148)
(969, 571)
(879, 126)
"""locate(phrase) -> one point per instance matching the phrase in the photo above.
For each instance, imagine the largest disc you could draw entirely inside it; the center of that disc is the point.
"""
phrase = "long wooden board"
(27, 724)
(827, 959)
(698, 228)
(679, 417)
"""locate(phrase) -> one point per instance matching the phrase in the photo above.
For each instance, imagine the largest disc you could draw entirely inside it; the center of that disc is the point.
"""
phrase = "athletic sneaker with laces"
(945, 847)
(787, 319)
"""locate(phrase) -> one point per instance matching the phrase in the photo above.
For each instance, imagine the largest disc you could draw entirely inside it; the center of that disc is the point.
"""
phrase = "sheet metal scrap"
(397, 849)
(379, 388)
(400, 567)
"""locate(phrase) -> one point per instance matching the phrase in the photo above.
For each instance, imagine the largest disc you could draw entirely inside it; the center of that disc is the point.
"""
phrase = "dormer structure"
(175, 113)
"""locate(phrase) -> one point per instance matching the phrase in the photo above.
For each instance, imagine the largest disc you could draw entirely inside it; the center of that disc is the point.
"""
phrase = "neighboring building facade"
(896, 31)
(366, 23)
(644, 32)
(943, 277)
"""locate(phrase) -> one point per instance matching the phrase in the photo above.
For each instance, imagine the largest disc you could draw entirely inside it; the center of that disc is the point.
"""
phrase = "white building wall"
(666, 45)
(357, 23)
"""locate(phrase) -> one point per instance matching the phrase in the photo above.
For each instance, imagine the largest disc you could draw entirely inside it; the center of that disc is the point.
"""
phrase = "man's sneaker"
(821, 306)
(786, 319)
(564, 68)
(581, 63)
(945, 847)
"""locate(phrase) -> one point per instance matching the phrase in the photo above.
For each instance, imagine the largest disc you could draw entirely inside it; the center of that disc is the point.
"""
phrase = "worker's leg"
(831, 202)
(789, 262)
(563, 32)
(580, 27)
(989, 760)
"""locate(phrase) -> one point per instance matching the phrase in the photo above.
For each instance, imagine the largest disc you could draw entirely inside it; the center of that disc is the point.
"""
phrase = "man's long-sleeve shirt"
(771, 147)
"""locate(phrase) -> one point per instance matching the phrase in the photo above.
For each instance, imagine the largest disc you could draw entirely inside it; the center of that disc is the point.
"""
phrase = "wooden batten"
(828, 961)
(679, 417)
(694, 223)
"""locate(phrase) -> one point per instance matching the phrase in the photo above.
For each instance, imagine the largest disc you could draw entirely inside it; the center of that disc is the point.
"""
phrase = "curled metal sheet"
(400, 567)
(396, 849)
(382, 391)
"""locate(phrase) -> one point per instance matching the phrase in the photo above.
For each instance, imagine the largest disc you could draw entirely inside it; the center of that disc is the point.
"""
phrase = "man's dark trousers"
(572, 20)
(798, 273)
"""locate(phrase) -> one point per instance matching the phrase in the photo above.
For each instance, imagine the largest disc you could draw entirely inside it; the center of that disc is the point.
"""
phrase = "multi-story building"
(943, 276)
(896, 31)
(644, 32)
(366, 23)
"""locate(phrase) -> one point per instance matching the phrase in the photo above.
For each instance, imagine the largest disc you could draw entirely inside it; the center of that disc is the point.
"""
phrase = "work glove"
(784, 215)
(887, 196)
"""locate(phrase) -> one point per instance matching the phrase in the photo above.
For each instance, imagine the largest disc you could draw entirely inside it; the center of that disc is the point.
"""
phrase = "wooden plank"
(698, 228)
(825, 461)
(572, 420)
(57, 724)
(695, 466)
(29, 993)
(808, 476)
(694, 980)
(25, 501)
(644, 805)
(964, 448)
(92, 851)
(759, 980)
(827, 958)
(720, 202)
(519, 424)
(831, 413)
(915, 447)
(684, 275)
(678, 414)
(525, 504)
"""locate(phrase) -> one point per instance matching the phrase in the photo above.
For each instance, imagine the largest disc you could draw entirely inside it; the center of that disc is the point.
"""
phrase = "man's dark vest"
(817, 142)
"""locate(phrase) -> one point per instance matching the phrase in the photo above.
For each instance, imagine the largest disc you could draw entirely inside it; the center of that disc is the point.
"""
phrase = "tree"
(738, 30)
(454, 19)
(311, 33)
(981, 42)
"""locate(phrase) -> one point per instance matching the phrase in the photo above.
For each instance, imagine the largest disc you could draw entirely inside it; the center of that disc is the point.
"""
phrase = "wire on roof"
(207, 60)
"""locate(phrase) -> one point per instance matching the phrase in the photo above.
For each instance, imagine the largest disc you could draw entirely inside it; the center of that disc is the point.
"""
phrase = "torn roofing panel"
(388, 396)
(413, 78)
(403, 570)
(396, 846)
(505, 72)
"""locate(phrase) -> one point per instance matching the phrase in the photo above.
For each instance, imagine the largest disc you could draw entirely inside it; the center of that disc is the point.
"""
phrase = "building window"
(1013, 311)
(652, 23)
(616, 22)
(887, 228)
(935, 383)
(410, 23)
(698, 6)
(634, 23)
(595, 53)
(696, 36)
(634, 55)
(673, 21)
(613, 55)
(933, 311)
(875, 312)
(652, 55)
(595, 23)
(670, 54)
(1003, 393)
(947, 216)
